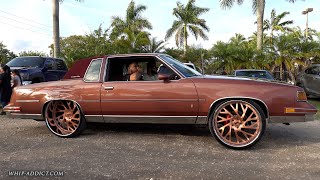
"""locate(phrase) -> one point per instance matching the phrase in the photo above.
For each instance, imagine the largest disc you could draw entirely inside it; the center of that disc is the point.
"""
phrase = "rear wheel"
(237, 124)
(64, 118)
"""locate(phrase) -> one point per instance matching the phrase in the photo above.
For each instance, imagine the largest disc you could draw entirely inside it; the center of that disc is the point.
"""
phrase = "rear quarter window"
(93, 71)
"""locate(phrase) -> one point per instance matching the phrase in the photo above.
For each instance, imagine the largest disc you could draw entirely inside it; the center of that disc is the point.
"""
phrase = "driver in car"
(133, 73)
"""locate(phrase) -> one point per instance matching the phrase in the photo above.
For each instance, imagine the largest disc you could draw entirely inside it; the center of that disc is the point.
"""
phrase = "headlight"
(301, 96)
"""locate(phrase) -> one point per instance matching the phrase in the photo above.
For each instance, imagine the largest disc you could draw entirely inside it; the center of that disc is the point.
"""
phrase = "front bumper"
(291, 119)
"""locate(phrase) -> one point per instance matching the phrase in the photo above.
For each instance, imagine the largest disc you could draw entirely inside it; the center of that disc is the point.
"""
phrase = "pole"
(307, 27)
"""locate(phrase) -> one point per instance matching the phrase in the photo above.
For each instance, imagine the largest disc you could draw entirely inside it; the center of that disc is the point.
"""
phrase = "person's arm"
(15, 82)
(135, 76)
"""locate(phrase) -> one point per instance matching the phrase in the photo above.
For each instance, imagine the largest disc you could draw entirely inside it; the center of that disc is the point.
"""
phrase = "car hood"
(243, 79)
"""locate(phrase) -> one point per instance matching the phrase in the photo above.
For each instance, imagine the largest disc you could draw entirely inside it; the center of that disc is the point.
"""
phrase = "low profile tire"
(64, 118)
(237, 124)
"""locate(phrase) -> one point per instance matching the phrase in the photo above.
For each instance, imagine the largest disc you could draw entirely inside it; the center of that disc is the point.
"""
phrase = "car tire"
(237, 124)
(64, 118)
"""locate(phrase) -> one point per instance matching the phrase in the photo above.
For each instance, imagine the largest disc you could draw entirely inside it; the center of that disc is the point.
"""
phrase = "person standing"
(5, 86)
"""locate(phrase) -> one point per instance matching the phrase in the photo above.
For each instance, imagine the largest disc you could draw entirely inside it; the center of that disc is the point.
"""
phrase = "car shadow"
(276, 136)
(161, 129)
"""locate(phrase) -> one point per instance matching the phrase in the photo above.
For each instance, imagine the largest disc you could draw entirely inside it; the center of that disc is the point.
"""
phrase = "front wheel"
(64, 118)
(237, 124)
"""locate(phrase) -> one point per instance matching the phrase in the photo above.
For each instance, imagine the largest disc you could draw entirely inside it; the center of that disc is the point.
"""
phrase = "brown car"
(236, 110)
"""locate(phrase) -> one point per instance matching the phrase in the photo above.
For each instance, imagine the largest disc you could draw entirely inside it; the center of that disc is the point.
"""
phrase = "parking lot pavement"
(111, 151)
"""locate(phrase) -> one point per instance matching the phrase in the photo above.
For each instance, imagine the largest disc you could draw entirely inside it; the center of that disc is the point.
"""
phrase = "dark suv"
(35, 69)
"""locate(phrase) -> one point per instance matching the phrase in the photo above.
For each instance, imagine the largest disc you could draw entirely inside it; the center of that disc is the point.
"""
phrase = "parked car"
(254, 73)
(235, 110)
(191, 65)
(309, 80)
(36, 69)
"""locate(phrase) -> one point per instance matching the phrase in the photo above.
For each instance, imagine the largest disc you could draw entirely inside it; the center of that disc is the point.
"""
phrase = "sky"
(27, 24)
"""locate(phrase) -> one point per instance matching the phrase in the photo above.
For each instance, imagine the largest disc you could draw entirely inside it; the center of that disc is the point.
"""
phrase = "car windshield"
(255, 74)
(26, 62)
(182, 68)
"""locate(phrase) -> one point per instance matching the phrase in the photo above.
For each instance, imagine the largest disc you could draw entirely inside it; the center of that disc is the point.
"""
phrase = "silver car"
(309, 79)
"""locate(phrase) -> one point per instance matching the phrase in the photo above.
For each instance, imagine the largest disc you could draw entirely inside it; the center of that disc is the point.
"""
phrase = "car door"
(61, 68)
(311, 78)
(175, 101)
(50, 69)
(314, 80)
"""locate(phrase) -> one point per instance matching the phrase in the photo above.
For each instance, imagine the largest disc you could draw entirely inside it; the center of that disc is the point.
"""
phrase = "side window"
(61, 65)
(93, 71)
(163, 69)
(49, 64)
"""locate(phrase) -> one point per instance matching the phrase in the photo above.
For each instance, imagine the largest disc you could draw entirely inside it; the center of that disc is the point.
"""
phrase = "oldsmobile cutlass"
(236, 110)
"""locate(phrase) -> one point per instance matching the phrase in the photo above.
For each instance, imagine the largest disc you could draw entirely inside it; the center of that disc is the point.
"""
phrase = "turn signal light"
(290, 110)
(301, 96)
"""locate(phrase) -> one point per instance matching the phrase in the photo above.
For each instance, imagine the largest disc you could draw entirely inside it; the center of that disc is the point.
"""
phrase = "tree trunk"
(293, 79)
(56, 34)
(281, 71)
(260, 12)
(185, 40)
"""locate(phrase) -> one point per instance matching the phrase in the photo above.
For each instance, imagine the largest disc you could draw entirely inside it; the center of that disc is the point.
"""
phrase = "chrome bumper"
(25, 116)
(291, 119)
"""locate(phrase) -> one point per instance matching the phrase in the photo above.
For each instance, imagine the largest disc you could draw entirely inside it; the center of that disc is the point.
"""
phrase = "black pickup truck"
(36, 69)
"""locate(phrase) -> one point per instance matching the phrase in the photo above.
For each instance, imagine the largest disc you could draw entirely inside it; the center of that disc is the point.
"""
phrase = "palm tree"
(188, 21)
(275, 24)
(258, 9)
(133, 21)
(56, 31)
(155, 46)
(132, 42)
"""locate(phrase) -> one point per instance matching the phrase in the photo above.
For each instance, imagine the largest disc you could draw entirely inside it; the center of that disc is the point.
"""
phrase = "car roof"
(38, 57)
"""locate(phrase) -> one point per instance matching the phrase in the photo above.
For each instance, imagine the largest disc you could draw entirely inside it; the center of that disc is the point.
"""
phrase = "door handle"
(108, 88)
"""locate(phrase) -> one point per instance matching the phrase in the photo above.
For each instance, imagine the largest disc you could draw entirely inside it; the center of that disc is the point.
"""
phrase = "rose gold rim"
(63, 117)
(237, 123)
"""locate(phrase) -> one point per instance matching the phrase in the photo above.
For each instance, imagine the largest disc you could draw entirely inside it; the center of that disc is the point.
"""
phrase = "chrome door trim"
(94, 118)
(27, 101)
(149, 100)
(149, 119)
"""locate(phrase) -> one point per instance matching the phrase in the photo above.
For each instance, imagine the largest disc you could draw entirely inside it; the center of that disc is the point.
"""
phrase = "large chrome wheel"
(237, 124)
(64, 119)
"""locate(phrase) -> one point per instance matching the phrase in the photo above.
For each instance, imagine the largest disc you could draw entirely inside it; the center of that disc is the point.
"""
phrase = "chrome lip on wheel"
(63, 117)
(237, 123)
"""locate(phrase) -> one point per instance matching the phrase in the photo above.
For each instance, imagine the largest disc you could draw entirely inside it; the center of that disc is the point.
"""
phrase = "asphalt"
(113, 151)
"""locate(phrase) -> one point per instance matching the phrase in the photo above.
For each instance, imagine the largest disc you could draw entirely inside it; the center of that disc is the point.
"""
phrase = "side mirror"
(164, 77)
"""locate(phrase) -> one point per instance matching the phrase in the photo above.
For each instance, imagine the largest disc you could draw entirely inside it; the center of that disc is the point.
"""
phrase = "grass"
(316, 102)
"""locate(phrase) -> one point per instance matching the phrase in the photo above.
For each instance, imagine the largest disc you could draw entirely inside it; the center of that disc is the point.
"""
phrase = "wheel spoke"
(237, 123)
(63, 117)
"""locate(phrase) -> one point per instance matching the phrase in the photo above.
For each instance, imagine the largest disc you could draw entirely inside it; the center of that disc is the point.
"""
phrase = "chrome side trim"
(291, 119)
(89, 101)
(149, 100)
(26, 116)
(27, 101)
(94, 118)
(202, 120)
(149, 119)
